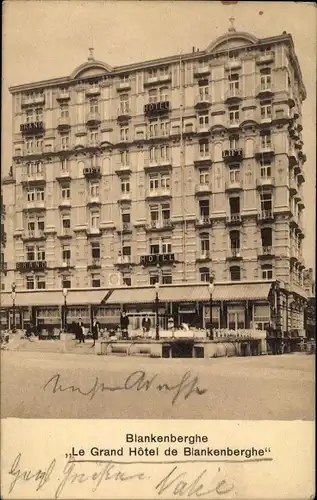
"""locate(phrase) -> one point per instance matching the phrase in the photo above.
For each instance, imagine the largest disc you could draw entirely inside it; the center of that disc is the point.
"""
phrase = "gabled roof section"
(231, 40)
(91, 68)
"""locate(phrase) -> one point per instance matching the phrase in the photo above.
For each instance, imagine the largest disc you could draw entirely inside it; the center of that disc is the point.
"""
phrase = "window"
(204, 274)
(236, 318)
(234, 173)
(95, 250)
(204, 176)
(204, 243)
(166, 211)
(124, 133)
(154, 213)
(266, 140)
(165, 181)
(66, 281)
(164, 71)
(235, 273)
(154, 278)
(267, 272)
(203, 91)
(165, 128)
(30, 253)
(266, 202)
(234, 203)
(93, 106)
(94, 220)
(65, 142)
(126, 251)
(163, 94)
(166, 246)
(64, 111)
(266, 110)
(159, 154)
(124, 157)
(40, 253)
(265, 79)
(234, 142)
(266, 237)
(38, 144)
(154, 182)
(124, 78)
(65, 223)
(30, 282)
(93, 137)
(40, 282)
(234, 84)
(35, 194)
(204, 148)
(204, 208)
(261, 316)
(234, 115)
(153, 96)
(124, 103)
(234, 240)
(29, 145)
(34, 169)
(159, 128)
(125, 185)
(65, 190)
(126, 278)
(95, 280)
(66, 253)
(166, 277)
(154, 247)
(188, 128)
(64, 164)
(203, 121)
(29, 116)
(126, 219)
(266, 168)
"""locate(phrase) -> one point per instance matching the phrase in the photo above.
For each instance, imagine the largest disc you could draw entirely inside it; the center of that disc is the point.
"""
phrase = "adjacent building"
(172, 171)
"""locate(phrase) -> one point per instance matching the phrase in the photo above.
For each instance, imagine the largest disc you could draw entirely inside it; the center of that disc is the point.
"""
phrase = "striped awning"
(131, 296)
(242, 291)
(44, 298)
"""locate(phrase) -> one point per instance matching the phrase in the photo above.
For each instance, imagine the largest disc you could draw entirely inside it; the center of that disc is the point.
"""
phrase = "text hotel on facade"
(165, 170)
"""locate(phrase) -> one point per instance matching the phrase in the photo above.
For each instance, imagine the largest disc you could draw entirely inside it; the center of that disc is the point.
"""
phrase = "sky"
(48, 38)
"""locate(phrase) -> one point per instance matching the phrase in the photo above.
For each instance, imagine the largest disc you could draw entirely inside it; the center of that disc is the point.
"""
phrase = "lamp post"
(157, 328)
(13, 295)
(65, 292)
(211, 289)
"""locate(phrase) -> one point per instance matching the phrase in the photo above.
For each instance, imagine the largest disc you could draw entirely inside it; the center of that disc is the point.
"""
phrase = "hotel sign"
(157, 258)
(156, 107)
(31, 265)
(32, 127)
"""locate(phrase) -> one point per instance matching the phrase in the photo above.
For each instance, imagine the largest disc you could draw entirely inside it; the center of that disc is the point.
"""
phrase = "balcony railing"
(95, 262)
(234, 254)
(124, 85)
(33, 99)
(36, 235)
(64, 175)
(93, 118)
(264, 90)
(265, 251)
(202, 189)
(159, 193)
(233, 95)
(157, 108)
(38, 177)
(92, 91)
(233, 219)
(265, 182)
(233, 64)
(35, 205)
(157, 79)
(202, 101)
(203, 255)
(65, 203)
(126, 226)
(123, 169)
(63, 96)
(123, 260)
(93, 200)
(124, 113)
(203, 70)
(234, 185)
(203, 220)
(159, 224)
(125, 197)
(265, 57)
(267, 150)
(32, 128)
(202, 160)
(92, 172)
(66, 263)
(157, 162)
(292, 157)
(233, 155)
(63, 122)
(266, 215)
(234, 124)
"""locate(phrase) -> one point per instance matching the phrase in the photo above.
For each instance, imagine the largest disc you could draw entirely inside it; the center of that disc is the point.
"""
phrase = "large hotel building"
(171, 170)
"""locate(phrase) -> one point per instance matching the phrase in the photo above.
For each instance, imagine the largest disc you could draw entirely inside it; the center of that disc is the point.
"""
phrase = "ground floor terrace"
(235, 306)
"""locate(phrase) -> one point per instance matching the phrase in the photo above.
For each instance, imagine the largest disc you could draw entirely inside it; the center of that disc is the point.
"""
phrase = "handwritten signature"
(137, 380)
(177, 482)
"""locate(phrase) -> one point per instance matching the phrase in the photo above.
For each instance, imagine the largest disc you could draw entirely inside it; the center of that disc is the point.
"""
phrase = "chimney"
(193, 49)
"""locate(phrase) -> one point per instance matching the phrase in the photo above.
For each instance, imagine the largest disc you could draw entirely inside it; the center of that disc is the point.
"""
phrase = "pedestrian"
(124, 323)
(170, 323)
(81, 334)
(95, 331)
(28, 332)
(146, 324)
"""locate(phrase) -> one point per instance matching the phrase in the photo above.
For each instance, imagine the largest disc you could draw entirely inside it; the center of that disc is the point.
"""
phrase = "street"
(55, 385)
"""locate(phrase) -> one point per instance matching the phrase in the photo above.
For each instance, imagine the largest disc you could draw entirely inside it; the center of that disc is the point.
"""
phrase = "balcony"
(202, 101)
(33, 235)
(301, 176)
(233, 95)
(233, 220)
(126, 227)
(66, 264)
(159, 225)
(29, 100)
(265, 57)
(200, 131)
(233, 185)
(63, 123)
(152, 80)
(92, 172)
(154, 164)
(202, 189)
(157, 108)
(264, 91)
(266, 216)
(66, 232)
(124, 85)
(93, 91)
(203, 221)
(157, 259)
(93, 201)
(234, 124)
(35, 205)
(234, 254)
(124, 114)
(64, 95)
(65, 203)
(233, 64)
(267, 151)
(63, 176)
(31, 265)
(202, 161)
(93, 119)
(200, 71)
(93, 231)
(232, 155)
(203, 256)
(37, 178)
(265, 252)
(95, 263)
(125, 197)
(3, 267)
(123, 169)
(159, 193)
(292, 157)
(123, 260)
(32, 128)
(301, 204)
(265, 182)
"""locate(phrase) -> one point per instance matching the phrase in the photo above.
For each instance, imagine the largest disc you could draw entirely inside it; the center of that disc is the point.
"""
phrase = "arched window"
(235, 273)
(267, 272)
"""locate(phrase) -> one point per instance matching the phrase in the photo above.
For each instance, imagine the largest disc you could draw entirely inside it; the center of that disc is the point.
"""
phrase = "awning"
(241, 291)
(132, 296)
(83, 297)
(47, 298)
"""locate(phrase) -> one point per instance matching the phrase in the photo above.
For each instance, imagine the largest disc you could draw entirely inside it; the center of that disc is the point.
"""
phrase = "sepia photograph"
(158, 200)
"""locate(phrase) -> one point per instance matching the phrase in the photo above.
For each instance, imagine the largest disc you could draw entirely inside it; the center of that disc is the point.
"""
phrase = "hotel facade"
(171, 171)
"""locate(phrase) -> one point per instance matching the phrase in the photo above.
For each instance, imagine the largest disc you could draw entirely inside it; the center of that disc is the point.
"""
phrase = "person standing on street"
(95, 331)
(81, 335)
(146, 325)
(124, 323)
